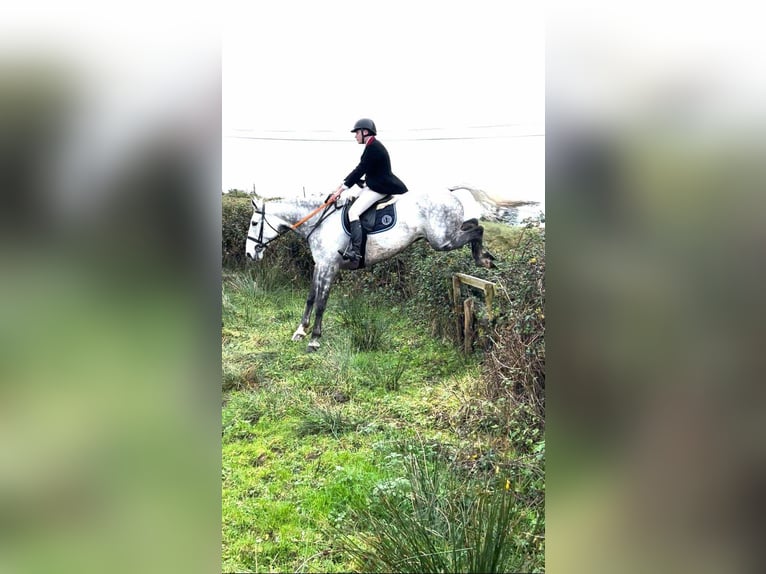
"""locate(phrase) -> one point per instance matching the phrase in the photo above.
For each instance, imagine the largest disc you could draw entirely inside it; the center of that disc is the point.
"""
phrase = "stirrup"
(349, 255)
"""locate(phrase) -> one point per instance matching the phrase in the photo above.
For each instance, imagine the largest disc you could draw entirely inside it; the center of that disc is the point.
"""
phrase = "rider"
(375, 164)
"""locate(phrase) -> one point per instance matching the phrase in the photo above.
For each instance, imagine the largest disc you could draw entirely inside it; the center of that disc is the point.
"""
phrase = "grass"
(366, 325)
(311, 441)
(432, 520)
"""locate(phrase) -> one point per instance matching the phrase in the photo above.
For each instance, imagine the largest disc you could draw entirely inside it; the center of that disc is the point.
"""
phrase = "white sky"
(295, 69)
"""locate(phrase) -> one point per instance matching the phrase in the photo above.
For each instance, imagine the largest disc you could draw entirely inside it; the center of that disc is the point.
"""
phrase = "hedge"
(235, 214)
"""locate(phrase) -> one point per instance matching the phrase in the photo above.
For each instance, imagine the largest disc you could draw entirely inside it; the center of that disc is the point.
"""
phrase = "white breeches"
(365, 200)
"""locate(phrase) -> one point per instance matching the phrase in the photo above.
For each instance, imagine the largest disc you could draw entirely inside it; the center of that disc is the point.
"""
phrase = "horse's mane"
(291, 207)
(309, 202)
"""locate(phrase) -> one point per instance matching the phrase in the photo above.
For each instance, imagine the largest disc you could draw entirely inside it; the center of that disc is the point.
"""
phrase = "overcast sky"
(425, 72)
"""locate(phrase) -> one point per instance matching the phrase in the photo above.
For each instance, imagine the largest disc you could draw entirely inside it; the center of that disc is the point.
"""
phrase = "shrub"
(238, 193)
(514, 365)
(364, 323)
(385, 375)
(235, 220)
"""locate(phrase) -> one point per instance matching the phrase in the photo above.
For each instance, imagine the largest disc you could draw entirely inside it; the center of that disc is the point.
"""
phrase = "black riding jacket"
(375, 166)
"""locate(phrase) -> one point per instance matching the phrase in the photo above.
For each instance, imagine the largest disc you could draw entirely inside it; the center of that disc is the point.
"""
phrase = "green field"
(322, 452)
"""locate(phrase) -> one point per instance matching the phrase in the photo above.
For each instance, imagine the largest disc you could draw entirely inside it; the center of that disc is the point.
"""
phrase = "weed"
(325, 419)
(385, 375)
(366, 326)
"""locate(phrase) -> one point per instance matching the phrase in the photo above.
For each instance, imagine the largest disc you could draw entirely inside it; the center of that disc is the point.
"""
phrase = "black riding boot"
(354, 253)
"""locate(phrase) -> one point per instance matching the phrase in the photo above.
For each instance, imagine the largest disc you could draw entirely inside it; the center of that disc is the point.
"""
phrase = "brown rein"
(333, 198)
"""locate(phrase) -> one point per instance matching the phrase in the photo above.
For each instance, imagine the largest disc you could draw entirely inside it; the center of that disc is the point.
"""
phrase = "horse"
(446, 220)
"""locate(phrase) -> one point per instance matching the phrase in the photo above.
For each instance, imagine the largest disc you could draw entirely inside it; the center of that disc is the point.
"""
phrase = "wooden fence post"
(466, 324)
(468, 328)
(456, 305)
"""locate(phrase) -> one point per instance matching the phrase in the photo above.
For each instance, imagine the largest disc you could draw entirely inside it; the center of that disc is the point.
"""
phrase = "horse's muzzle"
(256, 255)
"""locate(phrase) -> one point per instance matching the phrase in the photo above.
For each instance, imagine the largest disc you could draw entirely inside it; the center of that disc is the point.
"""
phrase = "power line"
(435, 138)
(419, 129)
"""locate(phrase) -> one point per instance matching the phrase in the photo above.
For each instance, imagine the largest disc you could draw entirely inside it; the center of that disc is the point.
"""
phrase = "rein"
(332, 199)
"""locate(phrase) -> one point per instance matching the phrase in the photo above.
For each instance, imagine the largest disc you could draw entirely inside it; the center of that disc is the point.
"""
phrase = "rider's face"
(359, 136)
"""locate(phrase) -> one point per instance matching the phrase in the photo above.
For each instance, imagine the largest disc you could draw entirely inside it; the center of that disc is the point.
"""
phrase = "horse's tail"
(477, 204)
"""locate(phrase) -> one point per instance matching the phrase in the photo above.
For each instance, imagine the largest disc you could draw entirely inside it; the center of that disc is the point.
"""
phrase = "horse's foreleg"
(324, 281)
(300, 332)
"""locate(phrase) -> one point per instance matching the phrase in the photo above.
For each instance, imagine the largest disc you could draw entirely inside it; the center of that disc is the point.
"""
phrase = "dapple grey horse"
(447, 220)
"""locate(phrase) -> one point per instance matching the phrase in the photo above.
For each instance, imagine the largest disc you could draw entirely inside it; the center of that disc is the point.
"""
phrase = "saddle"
(380, 217)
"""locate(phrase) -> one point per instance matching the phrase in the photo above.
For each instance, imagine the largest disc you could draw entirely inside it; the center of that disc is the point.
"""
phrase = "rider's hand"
(341, 188)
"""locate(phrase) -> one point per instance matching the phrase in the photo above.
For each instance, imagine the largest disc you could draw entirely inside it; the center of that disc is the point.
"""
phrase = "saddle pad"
(384, 219)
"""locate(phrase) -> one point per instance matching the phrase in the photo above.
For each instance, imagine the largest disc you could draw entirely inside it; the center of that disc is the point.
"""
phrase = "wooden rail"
(487, 287)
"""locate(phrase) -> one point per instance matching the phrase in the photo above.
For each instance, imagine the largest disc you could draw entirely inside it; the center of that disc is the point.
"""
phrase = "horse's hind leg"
(471, 233)
(482, 257)
(477, 249)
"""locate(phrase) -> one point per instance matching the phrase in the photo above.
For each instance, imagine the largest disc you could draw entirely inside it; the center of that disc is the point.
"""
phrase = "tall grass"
(385, 375)
(325, 419)
(438, 522)
(365, 324)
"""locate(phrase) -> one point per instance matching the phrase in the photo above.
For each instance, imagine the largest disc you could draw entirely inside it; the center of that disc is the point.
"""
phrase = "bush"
(364, 323)
(514, 365)
(238, 193)
(235, 220)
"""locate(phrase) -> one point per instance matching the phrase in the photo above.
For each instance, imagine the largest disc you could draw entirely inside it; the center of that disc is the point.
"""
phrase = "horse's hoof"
(312, 346)
(300, 332)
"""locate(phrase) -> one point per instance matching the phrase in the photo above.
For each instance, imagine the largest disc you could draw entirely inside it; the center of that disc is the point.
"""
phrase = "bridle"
(260, 244)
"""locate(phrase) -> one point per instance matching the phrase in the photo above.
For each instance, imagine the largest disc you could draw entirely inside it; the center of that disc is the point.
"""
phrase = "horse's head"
(263, 230)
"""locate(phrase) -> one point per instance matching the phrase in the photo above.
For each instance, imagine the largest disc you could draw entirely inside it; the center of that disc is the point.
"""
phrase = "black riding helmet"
(365, 124)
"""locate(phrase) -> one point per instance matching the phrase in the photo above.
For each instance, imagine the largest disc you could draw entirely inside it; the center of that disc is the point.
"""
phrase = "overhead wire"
(396, 139)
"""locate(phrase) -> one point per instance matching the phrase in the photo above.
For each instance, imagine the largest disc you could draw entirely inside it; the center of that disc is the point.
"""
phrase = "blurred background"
(109, 357)
(654, 185)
